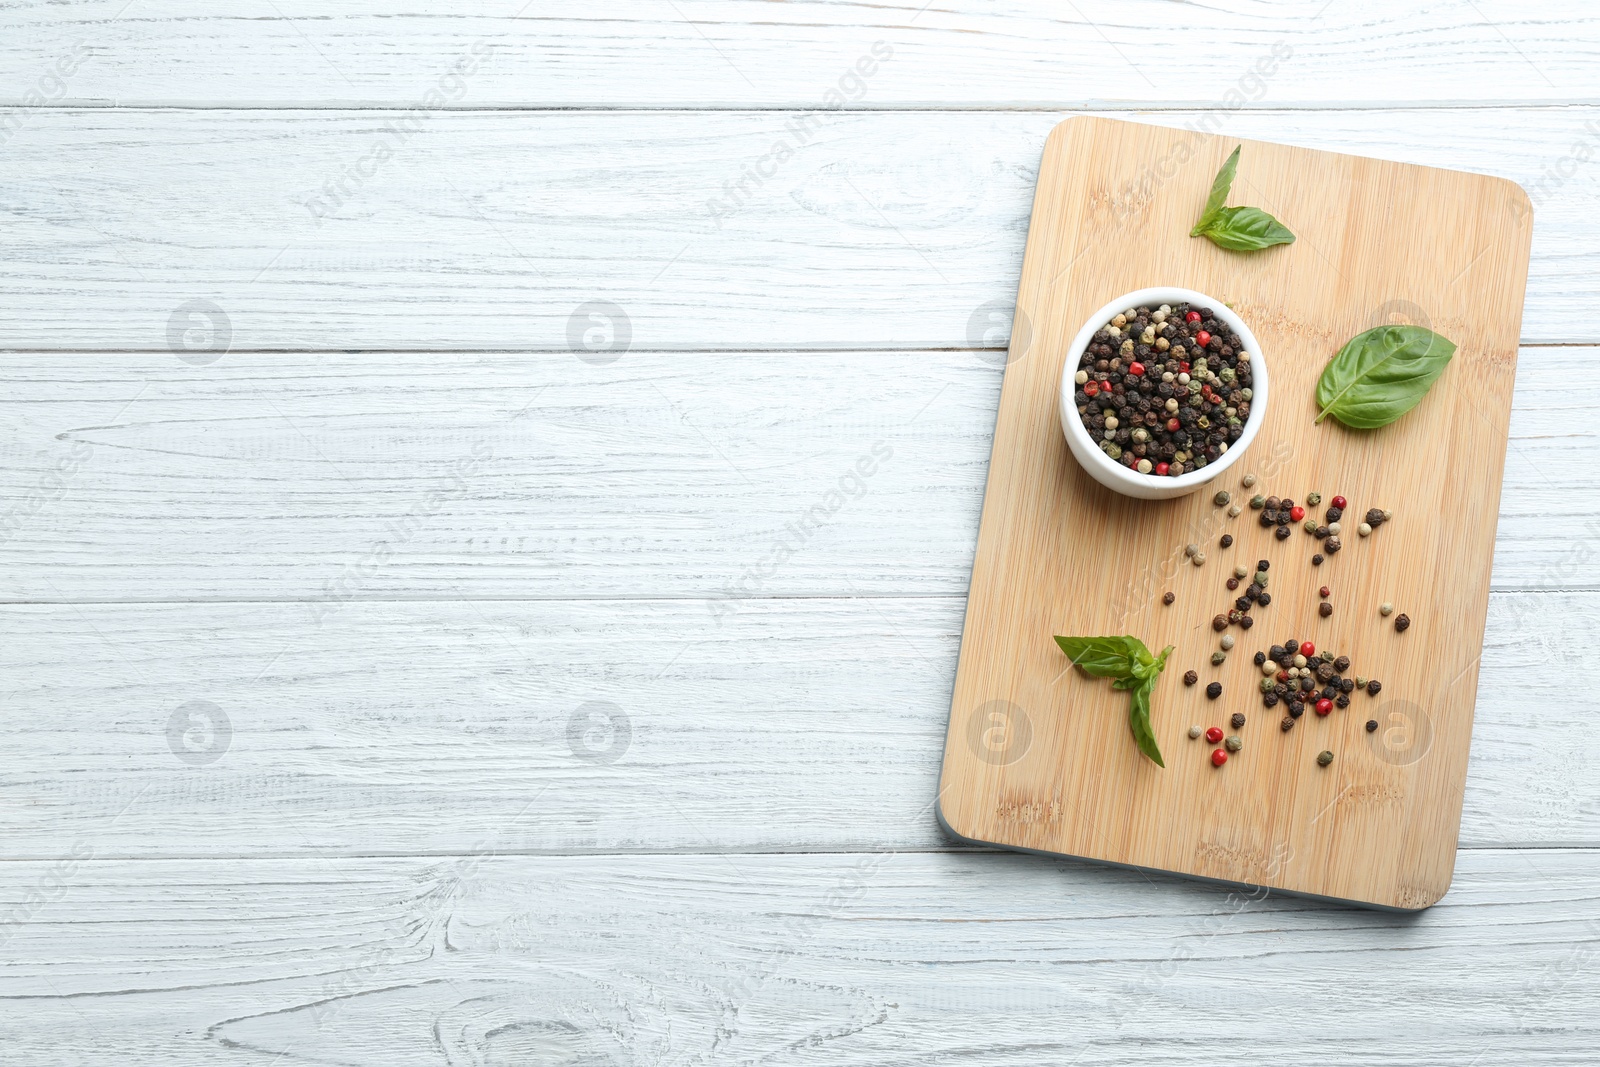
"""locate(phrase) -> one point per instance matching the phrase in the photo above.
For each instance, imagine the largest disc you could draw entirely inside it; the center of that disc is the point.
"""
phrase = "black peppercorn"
(1263, 599)
(1328, 692)
(1374, 687)
(1261, 657)
(1325, 609)
(1227, 541)
(1275, 653)
(1287, 724)
(1168, 598)
(1320, 532)
(1334, 514)
(1341, 664)
(1372, 726)
(1273, 503)
(1243, 603)
(1247, 622)
(1346, 685)
(1341, 701)
(1263, 564)
(1375, 517)
(1324, 671)
(1316, 560)
(1332, 545)
(1306, 685)
(1190, 677)
(1233, 583)
(1237, 720)
(1296, 708)
(1270, 700)
(1219, 623)
(1214, 690)
(1402, 622)
(1282, 533)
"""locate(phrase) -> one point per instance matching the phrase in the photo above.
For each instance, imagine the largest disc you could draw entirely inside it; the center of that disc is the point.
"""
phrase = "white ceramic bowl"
(1107, 471)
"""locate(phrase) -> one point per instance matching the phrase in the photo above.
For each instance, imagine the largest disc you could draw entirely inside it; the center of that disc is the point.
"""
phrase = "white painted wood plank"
(495, 230)
(403, 475)
(696, 53)
(855, 959)
(600, 726)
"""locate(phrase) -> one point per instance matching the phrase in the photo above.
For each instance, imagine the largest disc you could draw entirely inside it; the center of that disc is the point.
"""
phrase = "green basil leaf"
(1139, 723)
(1381, 374)
(1246, 229)
(1131, 682)
(1161, 660)
(1103, 657)
(1219, 193)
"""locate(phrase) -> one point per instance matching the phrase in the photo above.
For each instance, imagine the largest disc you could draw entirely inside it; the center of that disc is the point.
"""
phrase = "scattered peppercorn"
(1372, 726)
(1287, 724)
(1341, 664)
(1190, 677)
(1365, 529)
(1340, 502)
(1316, 560)
(1194, 732)
(1332, 545)
(1219, 623)
(1324, 609)
(1374, 687)
(1248, 481)
(1281, 533)
(1233, 583)
(1221, 498)
(1258, 502)
(1386, 609)
(1237, 720)
(1218, 757)
(1313, 498)
(1233, 744)
(1246, 622)
(1227, 642)
(1227, 541)
(1323, 592)
(1234, 510)
(1324, 706)
(1167, 598)
(1218, 658)
(1402, 622)
(1214, 690)
(1214, 734)
(1199, 559)
(1261, 657)
(1324, 758)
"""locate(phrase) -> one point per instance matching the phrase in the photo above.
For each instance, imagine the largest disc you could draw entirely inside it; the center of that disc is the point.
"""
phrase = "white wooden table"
(388, 683)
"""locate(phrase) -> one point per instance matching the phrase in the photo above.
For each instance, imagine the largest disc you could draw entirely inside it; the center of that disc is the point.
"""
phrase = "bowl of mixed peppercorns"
(1162, 390)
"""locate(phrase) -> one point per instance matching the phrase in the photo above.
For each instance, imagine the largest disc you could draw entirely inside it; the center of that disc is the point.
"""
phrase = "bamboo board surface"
(1040, 758)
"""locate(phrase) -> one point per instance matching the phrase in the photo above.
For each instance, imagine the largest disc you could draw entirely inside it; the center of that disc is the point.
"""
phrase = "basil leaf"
(1246, 229)
(1103, 657)
(1161, 660)
(1139, 723)
(1219, 193)
(1131, 682)
(1381, 374)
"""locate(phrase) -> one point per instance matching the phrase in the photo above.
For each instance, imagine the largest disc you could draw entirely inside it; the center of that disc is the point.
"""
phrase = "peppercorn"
(1402, 622)
(1232, 583)
(1218, 658)
(1309, 526)
(1214, 734)
(1320, 532)
(1324, 758)
(1233, 744)
(1227, 642)
(1194, 732)
(1324, 706)
(1287, 724)
(1168, 598)
(1235, 615)
(1273, 503)
(1374, 687)
(1261, 657)
(1247, 622)
(1248, 480)
(1316, 560)
(1323, 592)
(1263, 599)
(1332, 545)
(1341, 701)
(1281, 533)
(1240, 571)
(1313, 498)
(1296, 708)
(1346, 685)
(1199, 559)
(1339, 502)
(1243, 603)
(1258, 502)
(1375, 517)
(1333, 515)
(1221, 499)
(1214, 690)
(1219, 623)
(1365, 529)
(1385, 609)
(1372, 726)
(1324, 609)
(1234, 510)
(1218, 757)
(1237, 720)
(1260, 577)
(1190, 677)
(1361, 683)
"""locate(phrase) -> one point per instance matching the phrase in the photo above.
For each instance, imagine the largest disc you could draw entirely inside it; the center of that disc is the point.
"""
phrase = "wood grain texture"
(493, 230)
(134, 476)
(421, 728)
(698, 53)
(853, 960)
(1059, 554)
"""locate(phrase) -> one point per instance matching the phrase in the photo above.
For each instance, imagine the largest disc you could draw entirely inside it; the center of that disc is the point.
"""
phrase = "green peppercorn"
(1260, 579)
(1258, 502)
(1233, 744)
(1324, 758)
(1218, 658)
(1221, 499)
(1313, 498)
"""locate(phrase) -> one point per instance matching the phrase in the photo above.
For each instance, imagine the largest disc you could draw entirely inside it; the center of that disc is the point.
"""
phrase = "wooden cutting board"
(1039, 757)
